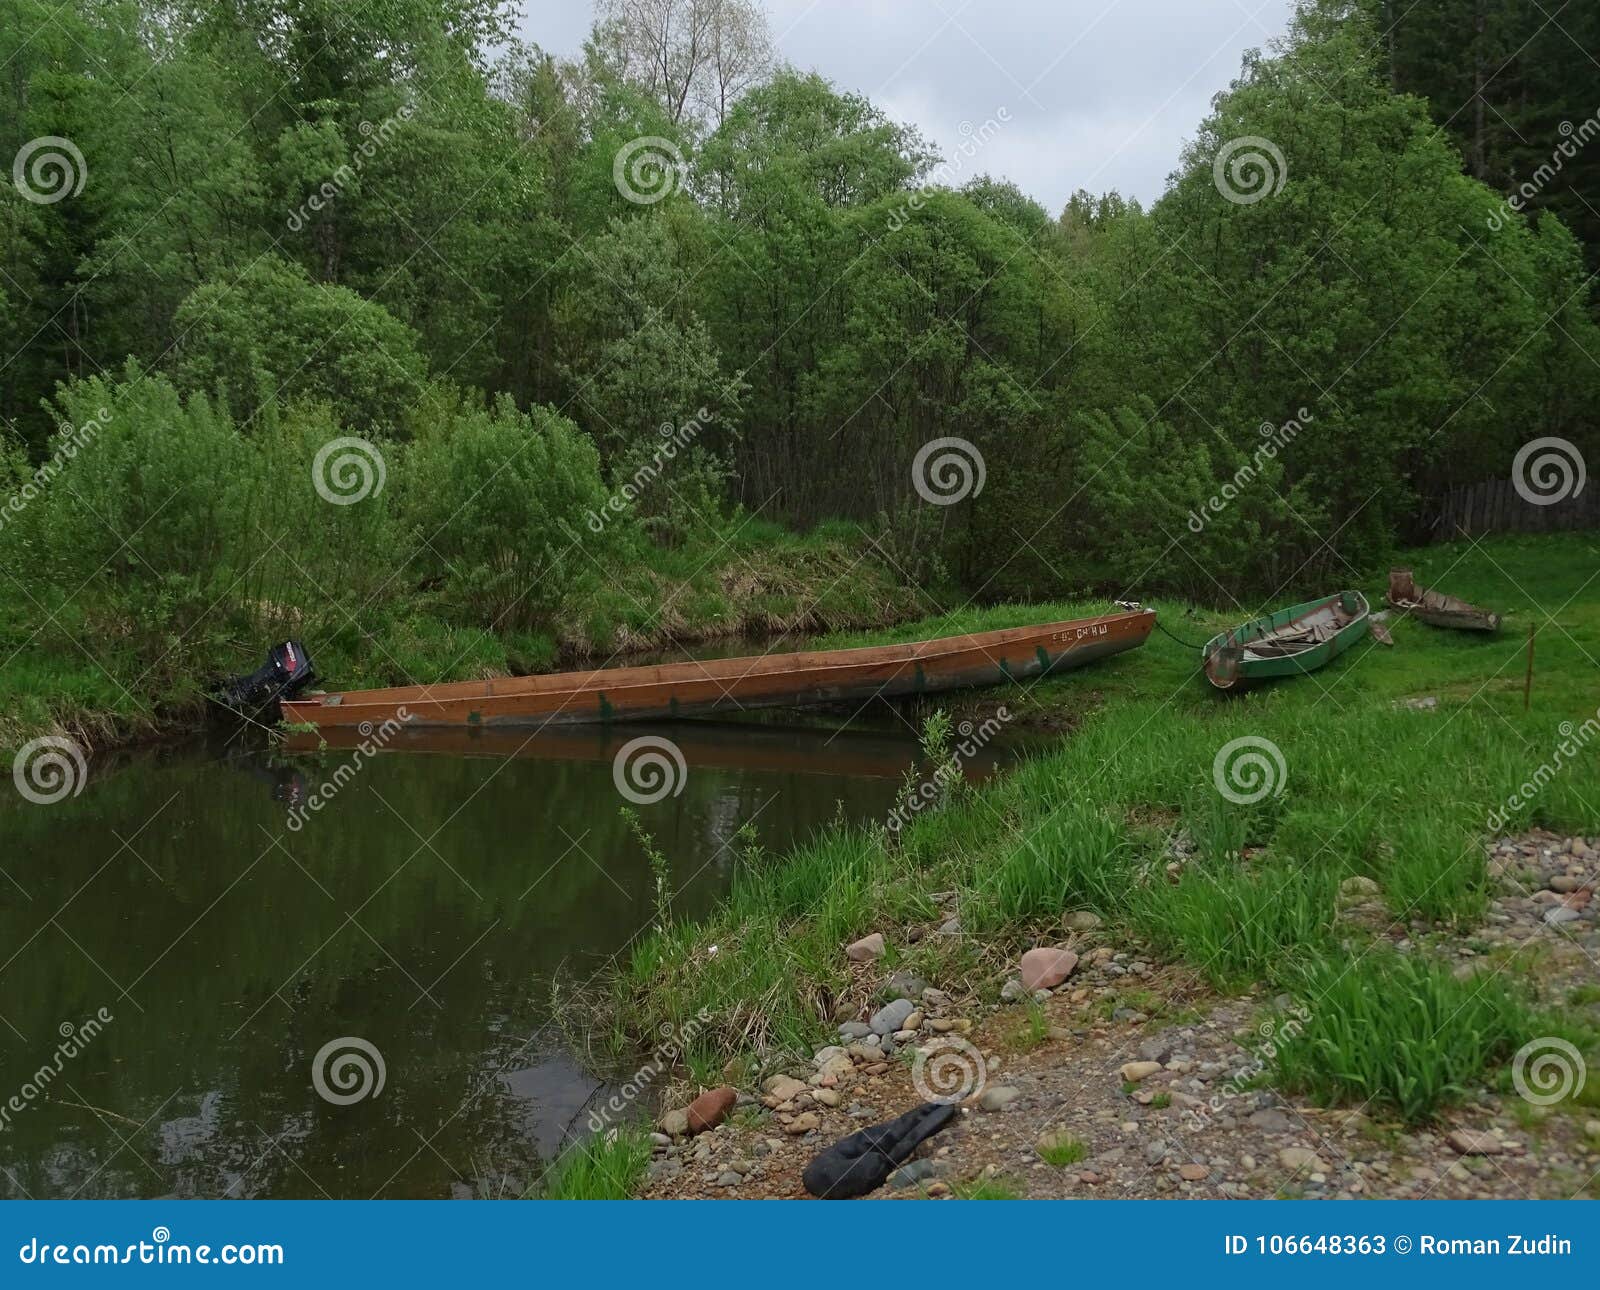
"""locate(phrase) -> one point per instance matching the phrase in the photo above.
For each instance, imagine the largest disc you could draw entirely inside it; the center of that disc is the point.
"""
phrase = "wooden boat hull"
(1435, 607)
(711, 686)
(1264, 648)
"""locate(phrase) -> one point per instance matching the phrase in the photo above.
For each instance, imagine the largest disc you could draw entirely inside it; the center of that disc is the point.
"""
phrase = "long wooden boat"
(1290, 642)
(724, 685)
(1435, 607)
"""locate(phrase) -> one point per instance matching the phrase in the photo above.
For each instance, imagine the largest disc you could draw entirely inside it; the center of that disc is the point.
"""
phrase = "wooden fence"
(1495, 506)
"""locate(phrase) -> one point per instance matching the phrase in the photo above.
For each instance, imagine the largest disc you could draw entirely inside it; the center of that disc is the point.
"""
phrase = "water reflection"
(426, 909)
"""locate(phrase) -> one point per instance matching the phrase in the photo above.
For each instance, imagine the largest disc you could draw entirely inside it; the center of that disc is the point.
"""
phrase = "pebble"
(1475, 1142)
(998, 1097)
(1302, 1158)
(1013, 990)
(855, 1030)
(1193, 1172)
(866, 949)
(1271, 1121)
(728, 1178)
(827, 1097)
(802, 1124)
(675, 1123)
(1046, 967)
(782, 1088)
(1559, 914)
(891, 1017)
(909, 1175)
(913, 1021)
(1133, 1072)
(950, 927)
(1081, 920)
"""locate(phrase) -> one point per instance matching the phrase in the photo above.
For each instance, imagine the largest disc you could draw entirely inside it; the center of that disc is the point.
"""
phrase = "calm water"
(177, 956)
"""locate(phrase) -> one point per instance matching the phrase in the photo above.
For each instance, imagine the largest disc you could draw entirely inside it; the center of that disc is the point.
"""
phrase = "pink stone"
(866, 949)
(1045, 968)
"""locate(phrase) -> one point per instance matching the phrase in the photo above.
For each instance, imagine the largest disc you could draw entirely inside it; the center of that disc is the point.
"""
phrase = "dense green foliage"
(1512, 82)
(285, 222)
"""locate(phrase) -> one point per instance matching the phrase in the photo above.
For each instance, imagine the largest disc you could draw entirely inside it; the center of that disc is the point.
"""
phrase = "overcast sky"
(1099, 93)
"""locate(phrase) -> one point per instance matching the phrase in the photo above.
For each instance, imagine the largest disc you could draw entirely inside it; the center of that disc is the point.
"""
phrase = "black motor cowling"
(287, 671)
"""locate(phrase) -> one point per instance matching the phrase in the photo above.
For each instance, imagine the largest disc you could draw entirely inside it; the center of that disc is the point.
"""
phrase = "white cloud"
(1101, 93)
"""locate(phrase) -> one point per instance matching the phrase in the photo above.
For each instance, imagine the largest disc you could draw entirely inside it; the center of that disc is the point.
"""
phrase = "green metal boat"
(1298, 639)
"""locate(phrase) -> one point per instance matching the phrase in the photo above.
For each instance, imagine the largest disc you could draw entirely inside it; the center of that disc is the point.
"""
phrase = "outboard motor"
(287, 671)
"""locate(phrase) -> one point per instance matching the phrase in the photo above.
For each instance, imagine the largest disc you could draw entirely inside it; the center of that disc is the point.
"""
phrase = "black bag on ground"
(860, 1164)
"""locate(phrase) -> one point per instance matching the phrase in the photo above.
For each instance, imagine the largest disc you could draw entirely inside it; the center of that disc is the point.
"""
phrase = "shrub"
(274, 336)
(506, 506)
(144, 501)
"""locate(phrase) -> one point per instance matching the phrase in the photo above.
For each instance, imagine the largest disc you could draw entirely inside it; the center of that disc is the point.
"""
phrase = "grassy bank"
(106, 683)
(1125, 818)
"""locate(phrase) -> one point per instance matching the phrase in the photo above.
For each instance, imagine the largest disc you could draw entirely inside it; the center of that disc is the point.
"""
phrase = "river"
(181, 939)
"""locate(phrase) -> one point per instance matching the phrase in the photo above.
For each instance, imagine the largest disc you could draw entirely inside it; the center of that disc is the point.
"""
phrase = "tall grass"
(604, 1167)
(1400, 1033)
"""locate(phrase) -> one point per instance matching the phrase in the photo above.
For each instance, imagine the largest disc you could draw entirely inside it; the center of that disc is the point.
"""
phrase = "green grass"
(988, 1189)
(604, 1167)
(1372, 787)
(1063, 1150)
(1032, 1030)
(1398, 1032)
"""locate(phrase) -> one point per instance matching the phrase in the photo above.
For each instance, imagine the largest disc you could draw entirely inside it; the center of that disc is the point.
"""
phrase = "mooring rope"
(1179, 639)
